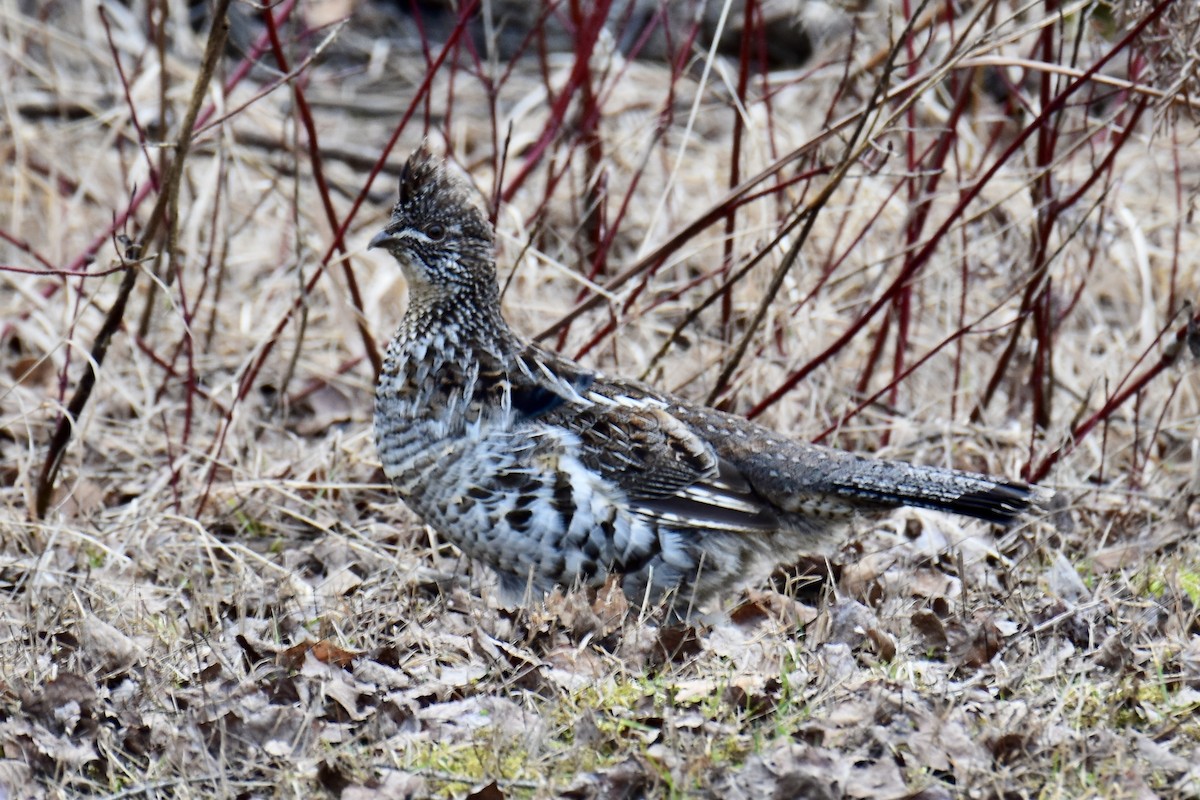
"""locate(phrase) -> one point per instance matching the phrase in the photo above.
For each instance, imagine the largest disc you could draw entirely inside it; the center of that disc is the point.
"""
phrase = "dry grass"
(223, 599)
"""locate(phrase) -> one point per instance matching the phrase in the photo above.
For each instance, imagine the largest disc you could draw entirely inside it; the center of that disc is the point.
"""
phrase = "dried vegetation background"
(962, 234)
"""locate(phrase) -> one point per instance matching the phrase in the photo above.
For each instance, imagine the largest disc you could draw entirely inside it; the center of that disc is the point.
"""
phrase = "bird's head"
(440, 237)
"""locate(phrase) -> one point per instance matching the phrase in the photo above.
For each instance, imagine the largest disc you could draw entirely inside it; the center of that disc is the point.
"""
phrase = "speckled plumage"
(552, 473)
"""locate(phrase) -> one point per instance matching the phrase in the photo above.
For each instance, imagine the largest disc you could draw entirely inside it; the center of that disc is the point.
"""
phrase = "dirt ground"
(966, 241)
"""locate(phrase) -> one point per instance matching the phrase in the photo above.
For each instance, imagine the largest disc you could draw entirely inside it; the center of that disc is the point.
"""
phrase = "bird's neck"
(466, 319)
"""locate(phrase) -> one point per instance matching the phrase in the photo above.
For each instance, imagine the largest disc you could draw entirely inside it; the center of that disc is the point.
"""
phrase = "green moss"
(455, 768)
(1165, 578)
(94, 556)
(1189, 582)
(627, 715)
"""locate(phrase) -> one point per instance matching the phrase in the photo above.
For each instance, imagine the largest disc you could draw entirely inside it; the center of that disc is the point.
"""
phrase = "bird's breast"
(428, 410)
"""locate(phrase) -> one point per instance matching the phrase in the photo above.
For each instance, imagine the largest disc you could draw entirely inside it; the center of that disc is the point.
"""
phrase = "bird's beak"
(380, 239)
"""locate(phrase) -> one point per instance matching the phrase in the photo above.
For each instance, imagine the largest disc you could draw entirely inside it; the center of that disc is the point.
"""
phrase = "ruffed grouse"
(550, 472)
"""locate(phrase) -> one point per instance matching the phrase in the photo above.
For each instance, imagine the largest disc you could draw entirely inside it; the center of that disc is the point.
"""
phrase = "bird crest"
(436, 231)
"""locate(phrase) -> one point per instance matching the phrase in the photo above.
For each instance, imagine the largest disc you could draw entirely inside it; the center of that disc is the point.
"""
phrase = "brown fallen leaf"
(63, 704)
(323, 650)
(883, 643)
(32, 371)
(488, 791)
(932, 631)
(973, 643)
(676, 644)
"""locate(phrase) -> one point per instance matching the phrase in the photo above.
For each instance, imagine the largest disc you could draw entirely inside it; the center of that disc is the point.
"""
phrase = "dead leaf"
(761, 606)
(789, 771)
(322, 650)
(63, 703)
(115, 651)
(749, 613)
(879, 780)
(931, 630)
(1189, 662)
(859, 576)
(934, 791)
(489, 791)
(1063, 581)
(849, 621)
(332, 778)
(1133, 553)
(1159, 756)
(695, 691)
(45, 750)
(32, 371)
(756, 694)
(676, 644)
(328, 407)
(883, 643)
(1009, 747)
(585, 732)
(1114, 654)
(926, 582)
(329, 653)
(629, 779)
(253, 655)
(348, 698)
(973, 643)
(611, 606)
(460, 720)
(838, 663)
(572, 667)
(581, 614)
(79, 499)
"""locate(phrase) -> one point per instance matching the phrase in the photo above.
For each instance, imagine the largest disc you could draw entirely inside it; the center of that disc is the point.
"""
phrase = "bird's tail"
(815, 481)
(895, 483)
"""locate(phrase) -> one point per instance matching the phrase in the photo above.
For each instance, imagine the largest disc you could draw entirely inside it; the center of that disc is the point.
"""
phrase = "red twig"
(314, 154)
(1030, 303)
(735, 158)
(1184, 335)
(133, 116)
(584, 48)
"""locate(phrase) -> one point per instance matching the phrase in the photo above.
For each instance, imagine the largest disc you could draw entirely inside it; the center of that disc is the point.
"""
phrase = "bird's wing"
(628, 435)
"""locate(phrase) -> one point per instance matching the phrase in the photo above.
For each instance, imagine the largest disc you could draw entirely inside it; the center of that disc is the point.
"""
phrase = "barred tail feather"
(893, 483)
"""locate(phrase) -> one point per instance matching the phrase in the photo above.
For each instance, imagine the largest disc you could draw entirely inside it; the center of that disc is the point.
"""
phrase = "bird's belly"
(516, 499)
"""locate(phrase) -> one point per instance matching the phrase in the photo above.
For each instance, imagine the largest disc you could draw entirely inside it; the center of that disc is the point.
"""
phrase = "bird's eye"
(436, 231)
